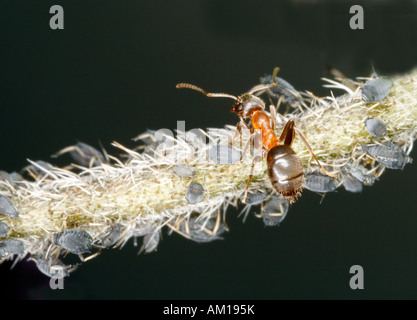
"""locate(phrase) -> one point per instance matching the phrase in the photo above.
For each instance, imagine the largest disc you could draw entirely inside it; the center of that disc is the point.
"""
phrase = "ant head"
(246, 105)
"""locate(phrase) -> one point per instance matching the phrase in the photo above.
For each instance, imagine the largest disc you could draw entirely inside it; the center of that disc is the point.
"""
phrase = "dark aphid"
(39, 170)
(376, 90)
(150, 241)
(388, 154)
(360, 173)
(7, 208)
(224, 154)
(275, 210)
(339, 76)
(16, 177)
(86, 155)
(4, 228)
(83, 154)
(254, 198)
(11, 246)
(4, 176)
(202, 230)
(112, 235)
(376, 127)
(351, 184)
(317, 182)
(136, 231)
(184, 171)
(147, 138)
(76, 241)
(282, 89)
(52, 267)
(194, 193)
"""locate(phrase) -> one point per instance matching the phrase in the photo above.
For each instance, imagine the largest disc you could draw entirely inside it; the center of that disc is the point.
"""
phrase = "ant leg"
(273, 116)
(287, 134)
(311, 151)
(250, 179)
(239, 131)
(255, 135)
(243, 153)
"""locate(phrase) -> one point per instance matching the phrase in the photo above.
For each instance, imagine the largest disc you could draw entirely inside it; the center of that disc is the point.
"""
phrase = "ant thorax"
(247, 104)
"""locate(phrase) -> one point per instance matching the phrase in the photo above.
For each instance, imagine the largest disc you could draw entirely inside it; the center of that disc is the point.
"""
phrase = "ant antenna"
(208, 94)
(225, 95)
(267, 86)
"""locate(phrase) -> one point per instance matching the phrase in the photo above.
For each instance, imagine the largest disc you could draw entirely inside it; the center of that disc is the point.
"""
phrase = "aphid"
(112, 235)
(282, 89)
(254, 198)
(184, 171)
(38, 169)
(11, 246)
(317, 182)
(76, 241)
(360, 173)
(224, 154)
(194, 193)
(4, 228)
(148, 137)
(149, 142)
(388, 154)
(84, 155)
(376, 90)
(87, 155)
(4, 176)
(16, 177)
(7, 208)
(351, 184)
(150, 242)
(275, 211)
(202, 230)
(53, 268)
(352, 85)
(285, 169)
(376, 127)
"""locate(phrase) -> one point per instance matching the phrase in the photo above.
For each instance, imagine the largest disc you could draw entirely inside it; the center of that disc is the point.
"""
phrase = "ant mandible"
(285, 169)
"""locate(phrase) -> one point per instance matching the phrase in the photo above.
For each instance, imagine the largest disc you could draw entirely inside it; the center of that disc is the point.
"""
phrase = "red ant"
(285, 168)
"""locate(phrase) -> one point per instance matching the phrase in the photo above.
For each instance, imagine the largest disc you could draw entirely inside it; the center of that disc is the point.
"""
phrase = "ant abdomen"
(285, 171)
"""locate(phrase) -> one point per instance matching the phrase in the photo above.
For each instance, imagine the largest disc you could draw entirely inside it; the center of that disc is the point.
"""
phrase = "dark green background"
(111, 74)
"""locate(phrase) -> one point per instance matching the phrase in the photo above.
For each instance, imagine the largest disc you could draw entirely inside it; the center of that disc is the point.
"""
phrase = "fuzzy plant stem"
(143, 193)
